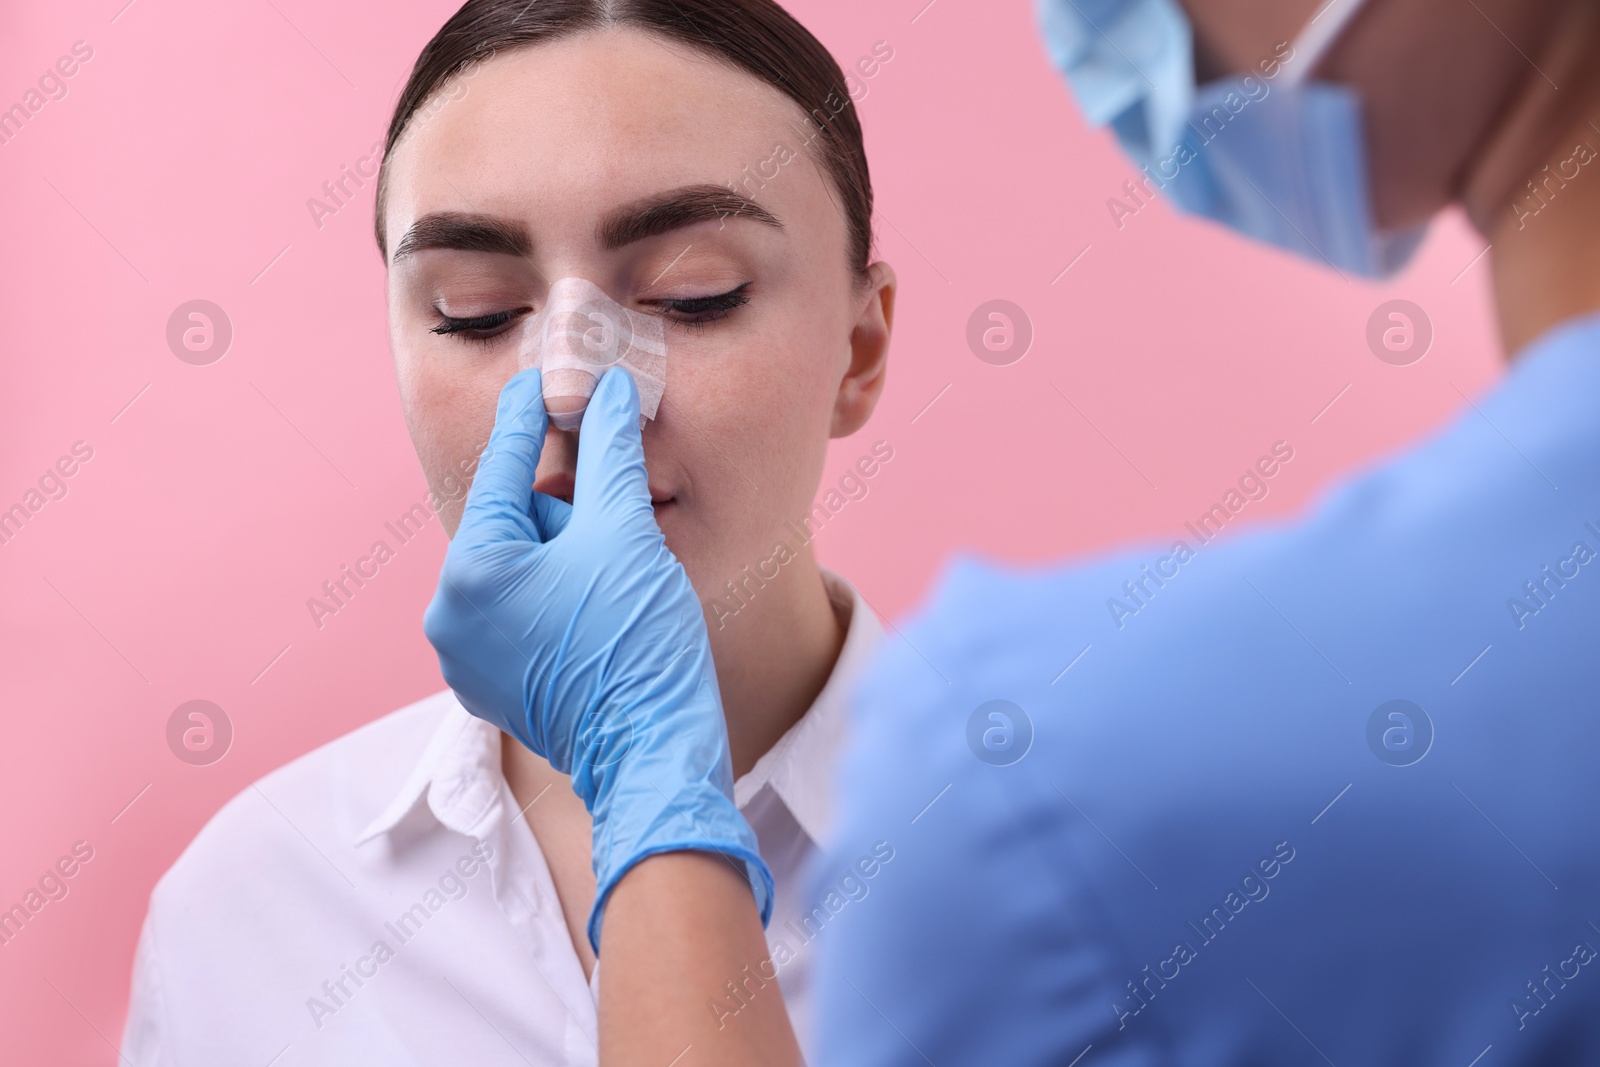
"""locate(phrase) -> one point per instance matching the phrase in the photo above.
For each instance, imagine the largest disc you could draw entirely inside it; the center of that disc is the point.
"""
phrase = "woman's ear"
(862, 383)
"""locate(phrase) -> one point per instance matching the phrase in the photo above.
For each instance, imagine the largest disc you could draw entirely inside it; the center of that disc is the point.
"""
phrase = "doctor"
(1333, 799)
(1333, 796)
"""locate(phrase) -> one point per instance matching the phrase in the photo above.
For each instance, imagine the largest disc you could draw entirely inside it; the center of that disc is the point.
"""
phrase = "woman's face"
(609, 156)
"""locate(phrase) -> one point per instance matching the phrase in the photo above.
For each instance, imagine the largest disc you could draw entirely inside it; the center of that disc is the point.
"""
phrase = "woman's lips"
(560, 484)
(557, 484)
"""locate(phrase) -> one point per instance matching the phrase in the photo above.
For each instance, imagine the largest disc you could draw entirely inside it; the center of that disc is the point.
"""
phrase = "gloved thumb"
(611, 478)
(498, 503)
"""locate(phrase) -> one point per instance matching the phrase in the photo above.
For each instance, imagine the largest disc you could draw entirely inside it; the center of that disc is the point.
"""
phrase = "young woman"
(418, 891)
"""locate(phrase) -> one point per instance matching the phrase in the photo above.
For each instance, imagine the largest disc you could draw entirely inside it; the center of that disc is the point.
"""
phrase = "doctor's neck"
(1534, 189)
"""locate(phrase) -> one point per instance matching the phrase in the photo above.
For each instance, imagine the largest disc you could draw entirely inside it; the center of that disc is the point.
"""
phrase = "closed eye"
(695, 312)
(699, 311)
(480, 328)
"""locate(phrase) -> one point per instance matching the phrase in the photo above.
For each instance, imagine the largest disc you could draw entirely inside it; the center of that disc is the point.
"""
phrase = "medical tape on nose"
(577, 336)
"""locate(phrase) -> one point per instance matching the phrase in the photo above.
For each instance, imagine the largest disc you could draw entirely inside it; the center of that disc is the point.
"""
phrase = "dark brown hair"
(756, 36)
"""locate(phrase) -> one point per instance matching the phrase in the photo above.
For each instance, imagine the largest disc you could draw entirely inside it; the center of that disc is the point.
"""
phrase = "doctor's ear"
(868, 355)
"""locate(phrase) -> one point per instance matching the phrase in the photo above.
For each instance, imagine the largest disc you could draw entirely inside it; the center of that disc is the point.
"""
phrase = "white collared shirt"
(381, 901)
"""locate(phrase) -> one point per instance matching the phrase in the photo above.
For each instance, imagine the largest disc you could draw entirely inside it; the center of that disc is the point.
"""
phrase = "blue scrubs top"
(1330, 795)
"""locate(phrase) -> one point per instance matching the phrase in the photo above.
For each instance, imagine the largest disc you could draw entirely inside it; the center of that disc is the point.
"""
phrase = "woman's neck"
(1535, 191)
(773, 657)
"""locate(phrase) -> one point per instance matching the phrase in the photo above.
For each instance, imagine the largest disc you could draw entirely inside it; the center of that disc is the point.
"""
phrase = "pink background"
(177, 567)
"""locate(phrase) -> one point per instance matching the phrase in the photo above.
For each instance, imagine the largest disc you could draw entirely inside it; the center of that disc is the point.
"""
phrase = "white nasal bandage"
(577, 335)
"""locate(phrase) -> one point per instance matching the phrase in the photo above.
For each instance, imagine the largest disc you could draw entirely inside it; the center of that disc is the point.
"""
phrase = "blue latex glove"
(575, 630)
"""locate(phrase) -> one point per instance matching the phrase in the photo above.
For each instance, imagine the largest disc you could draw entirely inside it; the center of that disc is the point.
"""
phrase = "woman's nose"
(558, 464)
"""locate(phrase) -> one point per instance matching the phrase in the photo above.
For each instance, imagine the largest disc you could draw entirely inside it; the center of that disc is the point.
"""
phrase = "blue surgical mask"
(1271, 154)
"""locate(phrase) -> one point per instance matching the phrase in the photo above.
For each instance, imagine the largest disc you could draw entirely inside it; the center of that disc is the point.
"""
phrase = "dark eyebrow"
(650, 217)
(466, 232)
(665, 212)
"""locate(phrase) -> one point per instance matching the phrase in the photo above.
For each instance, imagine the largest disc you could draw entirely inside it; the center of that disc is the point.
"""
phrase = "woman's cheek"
(450, 410)
(710, 385)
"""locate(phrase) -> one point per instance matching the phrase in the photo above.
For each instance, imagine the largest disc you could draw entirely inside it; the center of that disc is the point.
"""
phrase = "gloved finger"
(550, 515)
(611, 478)
(500, 502)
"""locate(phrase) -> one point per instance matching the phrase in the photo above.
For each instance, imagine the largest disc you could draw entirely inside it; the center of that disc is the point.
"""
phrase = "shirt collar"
(799, 768)
(460, 775)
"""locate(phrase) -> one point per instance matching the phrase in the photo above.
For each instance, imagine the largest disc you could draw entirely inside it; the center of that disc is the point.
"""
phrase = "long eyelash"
(698, 312)
(473, 329)
(704, 310)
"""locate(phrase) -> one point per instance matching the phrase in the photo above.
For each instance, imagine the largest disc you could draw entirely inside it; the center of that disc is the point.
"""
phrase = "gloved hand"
(575, 630)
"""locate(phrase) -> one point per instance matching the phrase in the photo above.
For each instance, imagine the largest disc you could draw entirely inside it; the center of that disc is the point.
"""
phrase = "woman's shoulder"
(306, 816)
